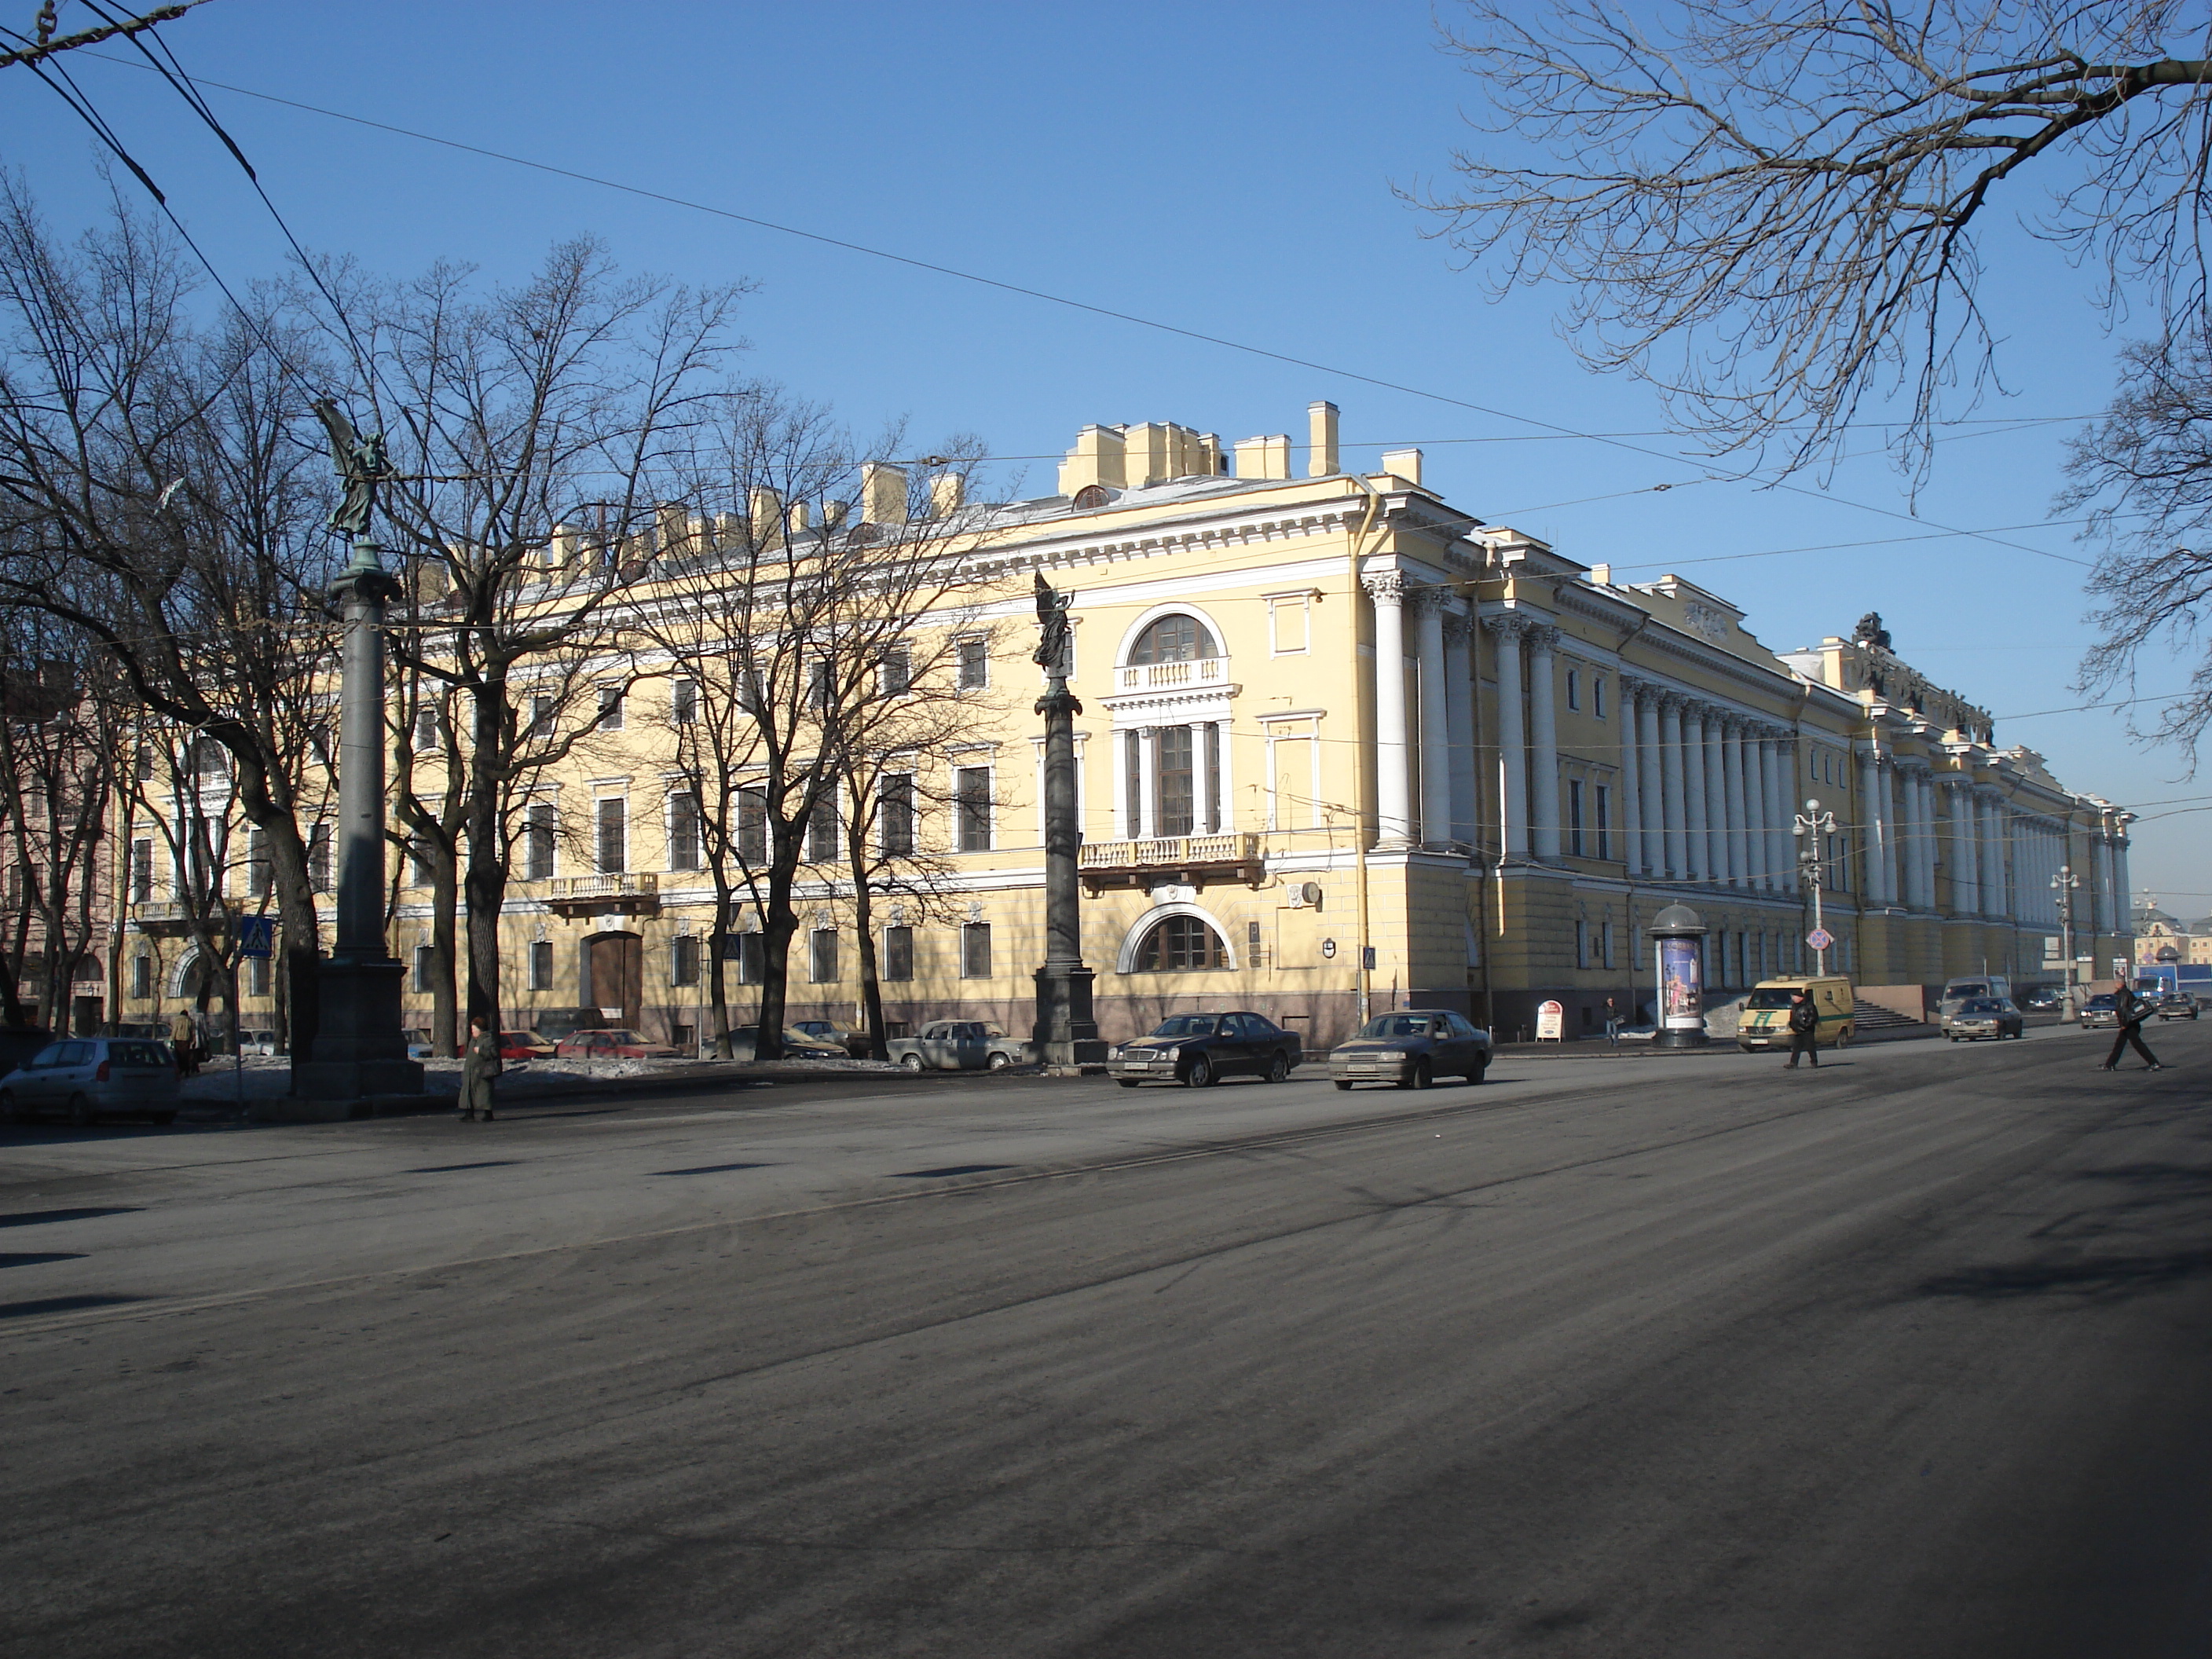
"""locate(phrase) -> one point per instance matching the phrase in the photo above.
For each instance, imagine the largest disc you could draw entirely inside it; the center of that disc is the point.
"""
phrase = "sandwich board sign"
(1551, 1021)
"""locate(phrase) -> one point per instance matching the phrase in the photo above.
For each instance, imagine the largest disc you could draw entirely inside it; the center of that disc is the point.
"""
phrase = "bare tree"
(2144, 472)
(1771, 211)
(540, 428)
(156, 494)
(785, 631)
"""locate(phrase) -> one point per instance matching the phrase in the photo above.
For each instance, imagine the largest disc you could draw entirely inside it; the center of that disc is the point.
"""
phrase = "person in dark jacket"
(2128, 1013)
(480, 1064)
(1804, 1028)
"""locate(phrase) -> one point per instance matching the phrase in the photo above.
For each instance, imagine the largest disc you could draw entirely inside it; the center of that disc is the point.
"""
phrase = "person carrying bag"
(1804, 1030)
(2130, 1011)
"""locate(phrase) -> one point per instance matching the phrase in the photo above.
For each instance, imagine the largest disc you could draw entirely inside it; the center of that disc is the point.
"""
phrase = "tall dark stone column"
(1066, 1036)
(359, 1053)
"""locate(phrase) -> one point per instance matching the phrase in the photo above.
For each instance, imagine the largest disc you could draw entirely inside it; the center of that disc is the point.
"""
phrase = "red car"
(613, 1042)
(524, 1045)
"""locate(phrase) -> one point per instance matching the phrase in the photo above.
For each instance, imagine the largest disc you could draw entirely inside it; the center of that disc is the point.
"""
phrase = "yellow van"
(1766, 1011)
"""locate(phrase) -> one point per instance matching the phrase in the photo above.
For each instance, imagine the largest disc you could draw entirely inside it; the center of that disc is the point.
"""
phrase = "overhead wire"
(1050, 298)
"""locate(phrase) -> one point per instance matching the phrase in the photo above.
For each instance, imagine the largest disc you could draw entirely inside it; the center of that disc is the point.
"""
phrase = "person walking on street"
(1804, 1028)
(2128, 1013)
(185, 1038)
(480, 1064)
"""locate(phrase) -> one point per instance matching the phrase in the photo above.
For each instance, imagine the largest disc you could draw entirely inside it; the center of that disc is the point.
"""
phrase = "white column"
(2124, 893)
(1543, 747)
(1739, 840)
(1673, 790)
(1436, 722)
(1716, 864)
(1631, 775)
(1394, 804)
(1874, 829)
(1923, 784)
(1697, 847)
(1990, 857)
(1965, 862)
(1148, 786)
(1774, 765)
(1886, 790)
(1513, 766)
(1459, 725)
(2100, 879)
(1652, 774)
(1908, 837)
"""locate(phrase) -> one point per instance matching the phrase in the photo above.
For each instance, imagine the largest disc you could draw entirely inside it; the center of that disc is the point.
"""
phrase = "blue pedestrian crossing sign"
(257, 937)
(1820, 939)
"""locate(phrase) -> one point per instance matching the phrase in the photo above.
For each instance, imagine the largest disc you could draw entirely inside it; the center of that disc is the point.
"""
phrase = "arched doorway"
(614, 975)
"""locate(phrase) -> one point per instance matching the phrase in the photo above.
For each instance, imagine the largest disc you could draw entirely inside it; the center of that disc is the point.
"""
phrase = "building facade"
(1344, 747)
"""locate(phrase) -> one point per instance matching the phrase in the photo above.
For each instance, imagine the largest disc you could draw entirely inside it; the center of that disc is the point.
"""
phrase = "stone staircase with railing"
(1868, 1016)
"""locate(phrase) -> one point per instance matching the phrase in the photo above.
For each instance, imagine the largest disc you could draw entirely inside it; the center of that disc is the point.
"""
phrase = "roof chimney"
(1320, 438)
(883, 493)
(768, 517)
(1099, 458)
(1264, 458)
(946, 494)
(1403, 464)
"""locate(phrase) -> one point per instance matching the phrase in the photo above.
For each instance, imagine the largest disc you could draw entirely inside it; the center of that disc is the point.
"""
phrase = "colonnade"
(1707, 792)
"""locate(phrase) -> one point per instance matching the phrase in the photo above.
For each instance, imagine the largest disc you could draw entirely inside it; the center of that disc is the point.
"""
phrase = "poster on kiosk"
(1677, 932)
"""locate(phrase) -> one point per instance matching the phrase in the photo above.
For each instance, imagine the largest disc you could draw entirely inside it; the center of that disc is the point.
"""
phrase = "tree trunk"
(778, 921)
(444, 898)
(484, 883)
(717, 979)
(872, 990)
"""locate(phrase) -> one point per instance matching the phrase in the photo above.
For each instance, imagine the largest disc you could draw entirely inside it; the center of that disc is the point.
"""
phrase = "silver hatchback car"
(92, 1078)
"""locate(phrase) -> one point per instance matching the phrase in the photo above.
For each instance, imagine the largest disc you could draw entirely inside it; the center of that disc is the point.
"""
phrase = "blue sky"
(1227, 168)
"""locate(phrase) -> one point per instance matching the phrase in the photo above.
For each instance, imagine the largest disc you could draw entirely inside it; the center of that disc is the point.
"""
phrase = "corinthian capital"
(1385, 587)
(1505, 623)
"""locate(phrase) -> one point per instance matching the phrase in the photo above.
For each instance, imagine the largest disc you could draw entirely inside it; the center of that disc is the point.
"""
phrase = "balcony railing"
(1172, 676)
(175, 915)
(630, 892)
(1193, 860)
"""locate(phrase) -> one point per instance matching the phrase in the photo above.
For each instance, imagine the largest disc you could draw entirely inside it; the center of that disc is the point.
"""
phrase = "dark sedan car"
(2101, 1011)
(1411, 1049)
(1196, 1049)
(2176, 1005)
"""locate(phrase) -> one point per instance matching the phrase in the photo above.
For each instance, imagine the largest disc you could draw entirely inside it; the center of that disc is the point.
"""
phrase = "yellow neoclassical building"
(1345, 746)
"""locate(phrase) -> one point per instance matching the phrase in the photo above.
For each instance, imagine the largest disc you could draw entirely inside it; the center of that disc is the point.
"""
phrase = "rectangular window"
(1288, 632)
(420, 872)
(1597, 695)
(1575, 816)
(972, 803)
(610, 708)
(975, 664)
(1133, 765)
(256, 976)
(426, 731)
(1605, 941)
(425, 970)
(1582, 944)
(538, 844)
(142, 977)
(1574, 688)
(684, 703)
(683, 832)
(975, 950)
(821, 684)
(541, 964)
(683, 960)
(319, 858)
(822, 956)
(145, 768)
(1212, 819)
(260, 874)
(750, 953)
(142, 871)
(614, 835)
(825, 842)
(898, 953)
(895, 814)
(896, 674)
(752, 828)
(1172, 772)
(541, 717)
(1604, 822)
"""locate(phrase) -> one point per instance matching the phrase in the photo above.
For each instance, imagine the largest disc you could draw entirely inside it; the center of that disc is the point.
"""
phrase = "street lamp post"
(2063, 885)
(1811, 824)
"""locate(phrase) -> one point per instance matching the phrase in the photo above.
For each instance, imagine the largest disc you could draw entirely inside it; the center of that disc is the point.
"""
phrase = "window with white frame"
(1605, 942)
(142, 978)
(1575, 816)
(895, 674)
(824, 830)
(895, 814)
(974, 657)
(752, 828)
(613, 812)
(541, 964)
(971, 805)
(1597, 695)
(610, 708)
(683, 960)
(426, 975)
(142, 871)
(537, 842)
(426, 731)
(1574, 688)
(256, 976)
(1604, 821)
(319, 858)
(1581, 944)
(684, 826)
(822, 956)
(542, 714)
(898, 952)
(750, 951)
(975, 950)
(684, 703)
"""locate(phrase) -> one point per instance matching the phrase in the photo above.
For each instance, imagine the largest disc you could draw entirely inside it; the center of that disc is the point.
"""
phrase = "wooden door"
(618, 974)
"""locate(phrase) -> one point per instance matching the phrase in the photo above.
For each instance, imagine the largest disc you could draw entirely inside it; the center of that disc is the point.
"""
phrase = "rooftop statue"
(1870, 631)
(361, 463)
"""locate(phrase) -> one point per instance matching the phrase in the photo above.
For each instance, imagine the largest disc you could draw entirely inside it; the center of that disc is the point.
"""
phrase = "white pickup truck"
(958, 1045)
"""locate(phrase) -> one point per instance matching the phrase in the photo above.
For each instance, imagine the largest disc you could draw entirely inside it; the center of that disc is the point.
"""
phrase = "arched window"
(1179, 945)
(1174, 638)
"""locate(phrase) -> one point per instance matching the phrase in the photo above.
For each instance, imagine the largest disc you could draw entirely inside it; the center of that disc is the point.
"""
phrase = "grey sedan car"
(92, 1078)
(1983, 1017)
(1411, 1049)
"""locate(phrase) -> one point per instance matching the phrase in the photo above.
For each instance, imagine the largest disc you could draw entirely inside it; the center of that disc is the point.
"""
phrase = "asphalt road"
(1666, 1356)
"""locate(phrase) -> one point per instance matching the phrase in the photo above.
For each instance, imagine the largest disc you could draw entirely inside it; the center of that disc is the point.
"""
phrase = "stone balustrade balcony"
(1191, 861)
(610, 892)
(1188, 675)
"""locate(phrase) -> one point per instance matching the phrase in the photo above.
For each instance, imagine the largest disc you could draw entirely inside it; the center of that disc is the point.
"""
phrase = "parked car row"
(87, 1078)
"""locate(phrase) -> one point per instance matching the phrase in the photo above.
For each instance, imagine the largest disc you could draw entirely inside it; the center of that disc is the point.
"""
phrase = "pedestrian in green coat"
(479, 1066)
